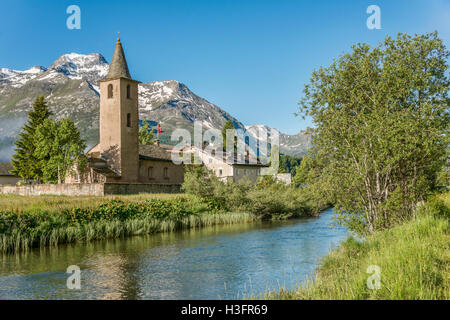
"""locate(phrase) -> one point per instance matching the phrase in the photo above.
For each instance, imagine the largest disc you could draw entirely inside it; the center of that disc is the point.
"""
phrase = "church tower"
(119, 119)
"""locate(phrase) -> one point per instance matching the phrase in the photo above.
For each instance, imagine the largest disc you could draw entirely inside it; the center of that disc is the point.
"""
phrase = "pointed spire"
(118, 67)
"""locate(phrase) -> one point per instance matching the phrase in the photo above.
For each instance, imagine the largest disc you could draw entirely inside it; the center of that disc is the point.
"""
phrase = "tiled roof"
(5, 167)
(153, 152)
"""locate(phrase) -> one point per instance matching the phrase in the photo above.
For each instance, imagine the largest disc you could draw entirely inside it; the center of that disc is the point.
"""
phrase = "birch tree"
(382, 118)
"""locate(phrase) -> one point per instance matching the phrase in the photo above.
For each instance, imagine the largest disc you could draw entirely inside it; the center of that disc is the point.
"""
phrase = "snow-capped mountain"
(16, 78)
(70, 85)
(295, 145)
(91, 68)
(175, 106)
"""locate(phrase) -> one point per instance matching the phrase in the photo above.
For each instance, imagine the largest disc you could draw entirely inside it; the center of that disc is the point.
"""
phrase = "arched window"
(110, 91)
(128, 92)
(129, 120)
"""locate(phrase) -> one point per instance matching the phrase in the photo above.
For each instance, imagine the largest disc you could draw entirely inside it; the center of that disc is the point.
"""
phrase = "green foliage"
(413, 261)
(382, 118)
(288, 164)
(203, 183)
(279, 199)
(58, 147)
(303, 171)
(25, 164)
(267, 198)
(145, 134)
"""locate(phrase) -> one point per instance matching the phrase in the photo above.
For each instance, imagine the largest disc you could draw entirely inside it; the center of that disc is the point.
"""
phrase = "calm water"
(222, 262)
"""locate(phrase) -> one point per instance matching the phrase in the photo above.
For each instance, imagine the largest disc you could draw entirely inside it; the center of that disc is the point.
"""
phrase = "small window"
(129, 120)
(110, 91)
(166, 172)
(150, 172)
(128, 92)
(220, 172)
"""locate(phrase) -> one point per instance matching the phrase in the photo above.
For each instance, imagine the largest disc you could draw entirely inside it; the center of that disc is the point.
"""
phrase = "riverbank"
(413, 259)
(39, 221)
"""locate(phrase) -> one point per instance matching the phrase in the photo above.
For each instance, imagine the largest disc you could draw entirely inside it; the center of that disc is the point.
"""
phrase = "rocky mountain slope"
(70, 85)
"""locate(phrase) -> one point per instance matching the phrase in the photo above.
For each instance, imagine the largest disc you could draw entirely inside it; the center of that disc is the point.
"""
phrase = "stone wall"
(68, 189)
(175, 173)
(135, 188)
(89, 189)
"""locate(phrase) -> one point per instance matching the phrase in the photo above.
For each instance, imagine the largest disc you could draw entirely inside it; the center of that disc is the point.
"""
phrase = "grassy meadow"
(55, 204)
(414, 260)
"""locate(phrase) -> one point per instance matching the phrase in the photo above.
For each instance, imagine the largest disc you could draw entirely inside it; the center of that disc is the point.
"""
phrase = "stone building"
(118, 157)
(228, 168)
(5, 176)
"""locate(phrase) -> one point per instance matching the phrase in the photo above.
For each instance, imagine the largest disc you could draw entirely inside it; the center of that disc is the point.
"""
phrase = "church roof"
(5, 167)
(118, 67)
(153, 152)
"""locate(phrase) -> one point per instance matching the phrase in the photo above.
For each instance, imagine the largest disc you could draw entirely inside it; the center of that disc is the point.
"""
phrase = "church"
(118, 158)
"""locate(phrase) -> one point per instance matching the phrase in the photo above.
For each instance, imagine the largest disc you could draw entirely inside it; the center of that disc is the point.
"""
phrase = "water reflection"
(210, 263)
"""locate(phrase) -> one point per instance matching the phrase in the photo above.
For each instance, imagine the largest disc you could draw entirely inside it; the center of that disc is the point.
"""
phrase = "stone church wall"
(89, 189)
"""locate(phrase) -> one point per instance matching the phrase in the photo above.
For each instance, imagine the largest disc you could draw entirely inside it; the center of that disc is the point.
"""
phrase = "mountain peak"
(79, 58)
(90, 67)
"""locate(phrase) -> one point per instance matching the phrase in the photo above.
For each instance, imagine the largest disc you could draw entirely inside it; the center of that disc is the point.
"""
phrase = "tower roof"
(118, 67)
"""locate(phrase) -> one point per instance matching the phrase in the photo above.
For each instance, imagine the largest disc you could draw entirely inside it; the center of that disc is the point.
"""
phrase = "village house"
(233, 168)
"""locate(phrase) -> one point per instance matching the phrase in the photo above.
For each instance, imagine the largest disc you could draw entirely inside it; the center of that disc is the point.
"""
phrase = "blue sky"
(252, 58)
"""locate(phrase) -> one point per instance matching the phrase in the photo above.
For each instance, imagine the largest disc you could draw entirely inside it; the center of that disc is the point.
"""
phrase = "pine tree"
(24, 162)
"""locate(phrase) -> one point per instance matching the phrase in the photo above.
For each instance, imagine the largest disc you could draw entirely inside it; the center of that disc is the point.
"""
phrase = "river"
(220, 262)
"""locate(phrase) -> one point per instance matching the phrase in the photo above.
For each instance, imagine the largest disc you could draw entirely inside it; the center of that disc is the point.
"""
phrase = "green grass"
(55, 204)
(414, 259)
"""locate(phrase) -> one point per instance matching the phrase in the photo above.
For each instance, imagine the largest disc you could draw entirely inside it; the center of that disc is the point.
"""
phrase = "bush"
(278, 199)
(267, 198)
